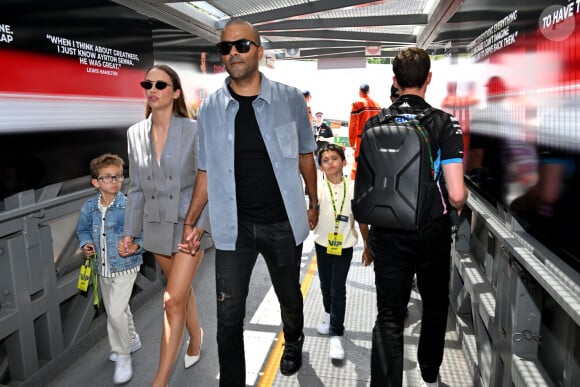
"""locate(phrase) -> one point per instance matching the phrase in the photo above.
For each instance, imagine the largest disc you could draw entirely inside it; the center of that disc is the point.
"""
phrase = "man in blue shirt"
(255, 141)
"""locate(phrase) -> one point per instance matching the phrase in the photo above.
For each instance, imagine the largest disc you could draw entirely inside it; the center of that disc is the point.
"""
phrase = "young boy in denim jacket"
(99, 229)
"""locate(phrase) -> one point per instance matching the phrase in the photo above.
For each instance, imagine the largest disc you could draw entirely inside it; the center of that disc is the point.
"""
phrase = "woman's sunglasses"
(242, 46)
(159, 85)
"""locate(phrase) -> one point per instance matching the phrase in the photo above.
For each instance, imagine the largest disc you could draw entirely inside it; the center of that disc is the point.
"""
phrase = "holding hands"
(191, 240)
(127, 247)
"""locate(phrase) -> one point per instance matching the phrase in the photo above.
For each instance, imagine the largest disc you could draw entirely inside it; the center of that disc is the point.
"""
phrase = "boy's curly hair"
(103, 161)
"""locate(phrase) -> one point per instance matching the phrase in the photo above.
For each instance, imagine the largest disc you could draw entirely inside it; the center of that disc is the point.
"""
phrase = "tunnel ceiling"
(328, 28)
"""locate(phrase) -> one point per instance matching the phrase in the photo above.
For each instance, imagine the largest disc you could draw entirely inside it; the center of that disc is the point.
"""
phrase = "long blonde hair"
(179, 107)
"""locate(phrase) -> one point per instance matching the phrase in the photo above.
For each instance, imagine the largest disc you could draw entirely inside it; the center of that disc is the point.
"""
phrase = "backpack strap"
(386, 114)
(426, 116)
(421, 118)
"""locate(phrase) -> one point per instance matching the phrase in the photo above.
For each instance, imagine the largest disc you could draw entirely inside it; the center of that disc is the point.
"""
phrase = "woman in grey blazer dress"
(163, 169)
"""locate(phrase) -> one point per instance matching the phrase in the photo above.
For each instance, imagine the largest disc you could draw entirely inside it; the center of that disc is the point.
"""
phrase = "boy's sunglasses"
(159, 85)
(242, 46)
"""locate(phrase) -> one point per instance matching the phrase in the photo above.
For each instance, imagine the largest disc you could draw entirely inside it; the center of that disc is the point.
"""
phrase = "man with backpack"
(424, 247)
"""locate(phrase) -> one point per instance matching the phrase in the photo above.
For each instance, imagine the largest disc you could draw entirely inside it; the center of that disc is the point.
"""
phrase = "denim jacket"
(89, 229)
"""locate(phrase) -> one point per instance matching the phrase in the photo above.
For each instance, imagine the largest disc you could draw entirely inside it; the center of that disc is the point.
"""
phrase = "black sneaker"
(292, 356)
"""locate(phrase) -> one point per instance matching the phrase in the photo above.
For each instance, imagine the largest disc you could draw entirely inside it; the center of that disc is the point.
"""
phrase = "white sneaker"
(324, 327)
(123, 369)
(336, 351)
(135, 343)
(135, 346)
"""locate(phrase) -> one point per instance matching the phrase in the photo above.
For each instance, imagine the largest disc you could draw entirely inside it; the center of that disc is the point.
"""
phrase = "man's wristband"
(314, 206)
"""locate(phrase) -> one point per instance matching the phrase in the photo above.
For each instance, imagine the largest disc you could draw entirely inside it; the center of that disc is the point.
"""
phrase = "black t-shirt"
(257, 192)
(323, 131)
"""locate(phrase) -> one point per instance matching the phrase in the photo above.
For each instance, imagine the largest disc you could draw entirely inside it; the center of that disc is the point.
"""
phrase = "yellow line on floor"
(273, 362)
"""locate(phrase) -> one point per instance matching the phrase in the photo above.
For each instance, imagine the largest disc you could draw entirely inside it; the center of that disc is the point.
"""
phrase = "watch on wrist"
(314, 206)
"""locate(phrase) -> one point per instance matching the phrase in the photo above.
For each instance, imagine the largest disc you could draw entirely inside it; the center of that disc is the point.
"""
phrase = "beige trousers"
(116, 292)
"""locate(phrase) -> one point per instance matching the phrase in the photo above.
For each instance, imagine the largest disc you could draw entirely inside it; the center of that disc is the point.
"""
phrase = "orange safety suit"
(362, 109)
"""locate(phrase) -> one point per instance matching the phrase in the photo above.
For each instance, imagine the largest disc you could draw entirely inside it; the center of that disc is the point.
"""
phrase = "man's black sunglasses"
(159, 85)
(242, 46)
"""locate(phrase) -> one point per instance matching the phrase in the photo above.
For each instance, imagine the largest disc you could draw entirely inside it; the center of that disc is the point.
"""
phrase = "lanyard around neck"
(334, 204)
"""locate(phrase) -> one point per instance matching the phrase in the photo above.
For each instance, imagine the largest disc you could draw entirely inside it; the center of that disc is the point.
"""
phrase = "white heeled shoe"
(192, 360)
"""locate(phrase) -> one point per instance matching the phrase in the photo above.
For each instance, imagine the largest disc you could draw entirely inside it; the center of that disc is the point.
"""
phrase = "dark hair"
(104, 161)
(240, 21)
(329, 147)
(179, 107)
(411, 67)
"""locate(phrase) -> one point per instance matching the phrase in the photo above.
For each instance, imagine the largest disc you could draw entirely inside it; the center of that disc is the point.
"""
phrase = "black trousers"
(233, 271)
(397, 257)
(333, 271)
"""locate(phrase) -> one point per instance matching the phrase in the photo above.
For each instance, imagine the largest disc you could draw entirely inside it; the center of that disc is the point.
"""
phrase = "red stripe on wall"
(44, 74)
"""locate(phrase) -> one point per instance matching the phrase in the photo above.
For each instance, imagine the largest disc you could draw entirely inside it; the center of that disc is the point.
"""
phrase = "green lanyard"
(334, 205)
(95, 274)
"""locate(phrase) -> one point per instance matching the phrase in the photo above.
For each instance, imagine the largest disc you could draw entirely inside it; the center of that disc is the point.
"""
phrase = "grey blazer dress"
(159, 193)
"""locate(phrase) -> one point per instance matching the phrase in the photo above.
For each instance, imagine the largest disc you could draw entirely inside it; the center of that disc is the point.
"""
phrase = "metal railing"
(517, 306)
(44, 319)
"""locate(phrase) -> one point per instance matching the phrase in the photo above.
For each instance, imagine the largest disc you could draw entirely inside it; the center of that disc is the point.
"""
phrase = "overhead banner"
(518, 110)
(72, 58)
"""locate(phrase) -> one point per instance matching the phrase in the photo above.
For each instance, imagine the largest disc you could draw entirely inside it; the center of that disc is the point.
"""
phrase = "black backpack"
(395, 186)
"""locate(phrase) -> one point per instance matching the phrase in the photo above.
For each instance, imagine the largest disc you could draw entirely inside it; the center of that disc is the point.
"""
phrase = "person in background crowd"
(549, 210)
(203, 62)
(361, 110)
(394, 93)
(265, 141)
(322, 132)
(163, 171)
(307, 98)
(502, 160)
